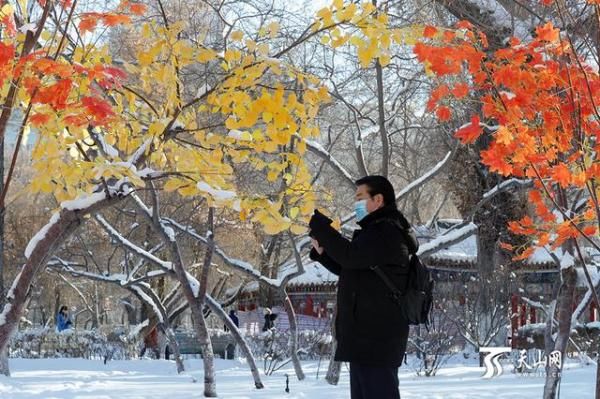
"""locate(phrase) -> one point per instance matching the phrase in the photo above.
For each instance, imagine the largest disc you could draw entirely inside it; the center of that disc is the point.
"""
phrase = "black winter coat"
(369, 328)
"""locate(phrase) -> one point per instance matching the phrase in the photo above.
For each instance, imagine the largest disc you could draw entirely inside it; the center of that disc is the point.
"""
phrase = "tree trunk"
(564, 306)
(4, 369)
(208, 356)
(289, 309)
(175, 347)
(335, 367)
(239, 339)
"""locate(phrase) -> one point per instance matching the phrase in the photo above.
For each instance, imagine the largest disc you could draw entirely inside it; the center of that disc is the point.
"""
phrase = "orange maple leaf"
(100, 109)
(460, 90)
(88, 23)
(589, 230)
(115, 19)
(470, 132)
(137, 8)
(7, 53)
(561, 174)
(547, 33)
(429, 32)
(38, 119)
(55, 95)
(464, 25)
(443, 113)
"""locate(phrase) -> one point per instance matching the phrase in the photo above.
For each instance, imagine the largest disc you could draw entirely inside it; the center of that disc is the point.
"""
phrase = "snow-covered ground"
(78, 378)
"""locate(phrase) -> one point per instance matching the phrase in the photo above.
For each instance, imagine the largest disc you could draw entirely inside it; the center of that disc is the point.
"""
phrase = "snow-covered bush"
(44, 342)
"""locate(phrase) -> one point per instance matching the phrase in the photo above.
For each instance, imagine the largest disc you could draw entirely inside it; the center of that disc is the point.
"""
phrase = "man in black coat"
(371, 334)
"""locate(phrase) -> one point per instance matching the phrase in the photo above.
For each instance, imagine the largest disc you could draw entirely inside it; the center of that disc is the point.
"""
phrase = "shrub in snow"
(44, 342)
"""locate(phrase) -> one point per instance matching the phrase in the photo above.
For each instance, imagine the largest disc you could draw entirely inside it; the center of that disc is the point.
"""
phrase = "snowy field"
(78, 378)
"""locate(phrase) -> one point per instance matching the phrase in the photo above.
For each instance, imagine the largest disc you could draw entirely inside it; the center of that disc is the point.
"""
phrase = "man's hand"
(316, 246)
(319, 221)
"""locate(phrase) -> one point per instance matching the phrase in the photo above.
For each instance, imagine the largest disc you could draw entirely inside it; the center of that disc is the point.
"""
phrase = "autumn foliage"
(540, 104)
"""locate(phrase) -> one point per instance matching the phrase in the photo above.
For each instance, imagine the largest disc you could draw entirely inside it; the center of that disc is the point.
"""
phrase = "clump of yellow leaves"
(364, 27)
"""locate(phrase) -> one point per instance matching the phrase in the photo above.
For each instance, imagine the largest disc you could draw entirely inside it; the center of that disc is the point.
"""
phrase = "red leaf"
(100, 109)
(55, 95)
(460, 90)
(470, 132)
(137, 8)
(429, 32)
(561, 174)
(38, 119)
(464, 25)
(547, 33)
(88, 23)
(116, 19)
(443, 113)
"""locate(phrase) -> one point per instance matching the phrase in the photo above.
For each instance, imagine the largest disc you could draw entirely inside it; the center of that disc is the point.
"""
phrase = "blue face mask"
(360, 208)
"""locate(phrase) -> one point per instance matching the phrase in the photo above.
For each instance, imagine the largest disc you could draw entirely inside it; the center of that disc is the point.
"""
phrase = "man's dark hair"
(379, 185)
(63, 308)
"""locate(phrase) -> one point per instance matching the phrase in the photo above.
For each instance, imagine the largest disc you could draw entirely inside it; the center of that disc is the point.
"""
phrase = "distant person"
(151, 342)
(63, 320)
(269, 320)
(233, 318)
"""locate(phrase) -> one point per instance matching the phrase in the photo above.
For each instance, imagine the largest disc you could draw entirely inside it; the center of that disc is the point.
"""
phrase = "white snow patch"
(509, 95)
(239, 135)
(5, 311)
(41, 234)
(202, 90)
(136, 330)
(30, 27)
(11, 292)
(83, 202)
(216, 193)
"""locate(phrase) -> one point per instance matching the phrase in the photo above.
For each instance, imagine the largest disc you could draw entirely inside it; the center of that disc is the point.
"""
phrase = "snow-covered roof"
(314, 272)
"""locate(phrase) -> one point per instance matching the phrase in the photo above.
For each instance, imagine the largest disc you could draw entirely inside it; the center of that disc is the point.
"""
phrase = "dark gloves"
(318, 222)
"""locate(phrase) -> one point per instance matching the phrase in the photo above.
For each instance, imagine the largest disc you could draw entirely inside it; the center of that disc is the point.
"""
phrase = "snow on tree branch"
(240, 265)
(320, 151)
(446, 240)
(131, 246)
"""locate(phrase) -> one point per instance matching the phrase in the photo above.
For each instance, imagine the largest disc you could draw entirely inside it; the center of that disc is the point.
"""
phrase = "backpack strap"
(396, 293)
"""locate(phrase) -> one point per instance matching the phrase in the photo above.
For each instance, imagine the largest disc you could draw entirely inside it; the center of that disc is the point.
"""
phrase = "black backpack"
(416, 301)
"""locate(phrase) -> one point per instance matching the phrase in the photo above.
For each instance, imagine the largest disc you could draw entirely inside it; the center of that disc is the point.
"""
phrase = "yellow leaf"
(267, 117)
(188, 190)
(272, 175)
(273, 28)
(171, 185)
(251, 45)
(205, 55)
(236, 35)
(298, 229)
(7, 9)
(294, 212)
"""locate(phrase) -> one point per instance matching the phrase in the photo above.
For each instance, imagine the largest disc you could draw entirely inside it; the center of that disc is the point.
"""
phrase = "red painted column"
(523, 314)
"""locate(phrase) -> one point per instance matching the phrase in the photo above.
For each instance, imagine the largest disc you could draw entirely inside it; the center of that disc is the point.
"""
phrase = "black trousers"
(373, 382)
